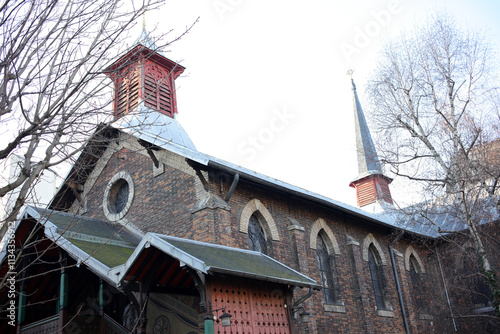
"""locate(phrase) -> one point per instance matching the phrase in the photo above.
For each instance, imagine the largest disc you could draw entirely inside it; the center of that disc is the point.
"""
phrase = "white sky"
(265, 84)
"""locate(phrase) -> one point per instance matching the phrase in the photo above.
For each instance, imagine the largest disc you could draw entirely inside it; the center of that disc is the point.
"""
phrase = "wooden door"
(256, 307)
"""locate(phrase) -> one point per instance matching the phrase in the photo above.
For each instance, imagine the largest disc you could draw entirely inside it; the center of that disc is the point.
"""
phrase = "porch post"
(143, 319)
(22, 304)
(63, 299)
(209, 324)
(101, 304)
(22, 309)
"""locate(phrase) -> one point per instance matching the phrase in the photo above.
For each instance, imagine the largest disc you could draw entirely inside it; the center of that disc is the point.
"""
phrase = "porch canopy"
(115, 254)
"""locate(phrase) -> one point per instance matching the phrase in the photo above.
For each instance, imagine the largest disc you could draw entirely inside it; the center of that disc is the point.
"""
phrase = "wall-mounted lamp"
(302, 317)
(225, 318)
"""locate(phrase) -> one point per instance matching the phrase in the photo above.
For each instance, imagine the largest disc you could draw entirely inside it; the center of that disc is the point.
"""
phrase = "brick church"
(149, 235)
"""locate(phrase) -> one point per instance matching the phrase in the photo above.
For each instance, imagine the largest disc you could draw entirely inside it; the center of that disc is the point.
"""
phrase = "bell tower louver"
(144, 75)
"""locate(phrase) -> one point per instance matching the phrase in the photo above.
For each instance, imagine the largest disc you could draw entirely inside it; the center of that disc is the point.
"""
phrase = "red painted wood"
(255, 308)
(371, 189)
(147, 76)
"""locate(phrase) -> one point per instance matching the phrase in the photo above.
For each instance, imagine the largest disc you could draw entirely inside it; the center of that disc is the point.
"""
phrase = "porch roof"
(113, 252)
(212, 258)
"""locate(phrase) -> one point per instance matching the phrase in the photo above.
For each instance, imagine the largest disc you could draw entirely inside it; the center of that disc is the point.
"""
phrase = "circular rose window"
(118, 196)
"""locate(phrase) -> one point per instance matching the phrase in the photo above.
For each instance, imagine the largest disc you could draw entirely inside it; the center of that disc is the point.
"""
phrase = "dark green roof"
(109, 255)
(109, 243)
(112, 245)
(239, 262)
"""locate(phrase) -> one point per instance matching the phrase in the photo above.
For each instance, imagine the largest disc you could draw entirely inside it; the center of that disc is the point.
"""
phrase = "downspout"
(303, 298)
(295, 308)
(446, 292)
(398, 286)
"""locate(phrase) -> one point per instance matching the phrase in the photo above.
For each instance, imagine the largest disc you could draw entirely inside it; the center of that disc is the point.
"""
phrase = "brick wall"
(172, 200)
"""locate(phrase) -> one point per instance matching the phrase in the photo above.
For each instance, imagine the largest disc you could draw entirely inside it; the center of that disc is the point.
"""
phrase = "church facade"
(149, 235)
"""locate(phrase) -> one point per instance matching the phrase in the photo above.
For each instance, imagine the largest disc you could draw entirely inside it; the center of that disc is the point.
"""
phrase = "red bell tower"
(144, 75)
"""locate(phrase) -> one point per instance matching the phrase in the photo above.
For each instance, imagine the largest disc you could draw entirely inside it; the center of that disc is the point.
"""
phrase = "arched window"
(416, 282)
(327, 270)
(480, 292)
(377, 276)
(256, 237)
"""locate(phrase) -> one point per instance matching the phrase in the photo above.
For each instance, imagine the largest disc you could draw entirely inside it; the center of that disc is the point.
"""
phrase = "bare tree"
(434, 97)
(52, 86)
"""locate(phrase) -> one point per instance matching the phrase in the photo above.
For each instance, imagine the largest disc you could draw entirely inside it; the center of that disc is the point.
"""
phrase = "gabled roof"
(238, 262)
(112, 252)
(166, 143)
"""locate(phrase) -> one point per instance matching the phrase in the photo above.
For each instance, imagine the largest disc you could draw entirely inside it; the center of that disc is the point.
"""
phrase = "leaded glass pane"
(256, 236)
(328, 276)
(480, 292)
(416, 281)
(377, 278)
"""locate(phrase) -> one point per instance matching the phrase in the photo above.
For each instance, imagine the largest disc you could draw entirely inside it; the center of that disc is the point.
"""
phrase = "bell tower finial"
(350, 72)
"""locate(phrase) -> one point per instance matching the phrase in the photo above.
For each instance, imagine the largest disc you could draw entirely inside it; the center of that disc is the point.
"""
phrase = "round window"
(118, 196)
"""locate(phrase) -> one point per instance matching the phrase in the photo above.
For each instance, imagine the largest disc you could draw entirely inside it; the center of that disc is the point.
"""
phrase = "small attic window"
(118, 196)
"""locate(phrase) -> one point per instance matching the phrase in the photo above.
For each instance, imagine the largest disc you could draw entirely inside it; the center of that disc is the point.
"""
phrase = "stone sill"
(385, 313)
(484, 310)
(424, 316)
(334, 308)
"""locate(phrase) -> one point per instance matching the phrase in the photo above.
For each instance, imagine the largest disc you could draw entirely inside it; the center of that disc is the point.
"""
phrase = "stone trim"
(319, 225)
(409, 252)
(385, 313)
(295, 225)
(210, 201)
(351, 241)
(424, 316)
(158, 171)
(334, 308)
(250, 208)
(482, 310)
(366, 244)
(105, 201)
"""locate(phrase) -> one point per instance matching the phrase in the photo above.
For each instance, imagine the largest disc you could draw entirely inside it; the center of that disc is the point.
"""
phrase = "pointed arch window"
(328, 271)
(377, 276)
(416, 282)
(480, 292)
(256, 237)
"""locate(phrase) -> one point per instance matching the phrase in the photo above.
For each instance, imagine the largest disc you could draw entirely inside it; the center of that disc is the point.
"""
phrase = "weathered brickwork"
(176, 203)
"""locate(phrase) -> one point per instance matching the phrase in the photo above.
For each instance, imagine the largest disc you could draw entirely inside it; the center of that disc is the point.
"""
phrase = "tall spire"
(372, 186)
(368, 162)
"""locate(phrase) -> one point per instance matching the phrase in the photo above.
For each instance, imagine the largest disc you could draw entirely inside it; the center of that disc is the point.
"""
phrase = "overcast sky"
(265, 84)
